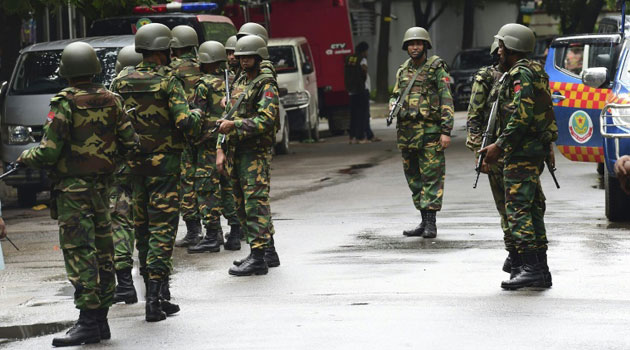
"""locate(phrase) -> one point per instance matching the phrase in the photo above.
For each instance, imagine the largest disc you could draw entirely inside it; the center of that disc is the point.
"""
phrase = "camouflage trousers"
(228, 205)
(189, 204)
(122, 222)
(85, 237)
(156, 216)
(250, 177)
(525, 204)
(425, 170)
(495, 177)
(215, 195)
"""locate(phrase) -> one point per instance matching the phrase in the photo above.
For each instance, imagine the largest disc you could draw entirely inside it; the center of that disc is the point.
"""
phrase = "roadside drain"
(35, 330)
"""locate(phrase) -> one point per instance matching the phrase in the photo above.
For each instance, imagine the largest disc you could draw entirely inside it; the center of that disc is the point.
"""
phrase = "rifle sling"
(408, 88)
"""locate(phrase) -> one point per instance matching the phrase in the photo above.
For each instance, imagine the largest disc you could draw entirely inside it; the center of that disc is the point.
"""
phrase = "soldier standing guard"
(186, 67)
(85, 125)
(525, 143)
(251, 136)
(233, 64)
(120, 203)
(424, 126)
(162, 119)
(484, 93)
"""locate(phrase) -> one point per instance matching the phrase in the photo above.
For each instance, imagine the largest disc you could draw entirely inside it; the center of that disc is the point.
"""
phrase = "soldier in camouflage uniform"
(250, 137)
(483, 94)
(163, 120)
(209, 92)
(82, 134)
(525, 142)
(424, 126)
(233, 64)
(120, 204)
(186, 67)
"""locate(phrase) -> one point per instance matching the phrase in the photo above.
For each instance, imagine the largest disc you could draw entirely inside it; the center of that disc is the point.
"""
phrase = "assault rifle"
(487, 134)
(552, 171)
(395, 110)
(11, 168)
(230, 114)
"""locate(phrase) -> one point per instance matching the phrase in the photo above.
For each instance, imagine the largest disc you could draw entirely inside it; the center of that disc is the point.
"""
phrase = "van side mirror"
(595, 77)
(307, 68)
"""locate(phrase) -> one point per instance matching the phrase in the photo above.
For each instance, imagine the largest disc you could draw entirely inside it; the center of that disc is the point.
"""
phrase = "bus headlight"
(17, 135)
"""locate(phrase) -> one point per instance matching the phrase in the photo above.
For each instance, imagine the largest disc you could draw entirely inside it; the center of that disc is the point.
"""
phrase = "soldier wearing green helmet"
(232, 62)
(250, 136)
(483, 94)
(424, 126)
(255, 29)
(527, 129)
(120, 203)
(163, 121)
(82, 137)
(209, 183)
(186, 66)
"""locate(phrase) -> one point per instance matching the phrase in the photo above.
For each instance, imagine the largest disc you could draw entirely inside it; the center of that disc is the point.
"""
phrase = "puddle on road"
(35, 330)
(353, 168)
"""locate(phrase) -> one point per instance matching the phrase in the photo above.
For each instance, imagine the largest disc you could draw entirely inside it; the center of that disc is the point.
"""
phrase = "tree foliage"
(576, 16)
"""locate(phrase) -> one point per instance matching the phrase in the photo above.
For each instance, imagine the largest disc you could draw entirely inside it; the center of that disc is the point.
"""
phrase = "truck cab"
(586, 75)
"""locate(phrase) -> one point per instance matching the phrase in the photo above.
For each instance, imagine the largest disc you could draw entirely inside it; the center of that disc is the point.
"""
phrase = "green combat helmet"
(230, 43)
(251, 45)
(212, 51)
(153, 37)
(517, 37)
(494, 47)
(184, 36)
(79, 60)
(251, 28)
(127, 56)
(416, 33)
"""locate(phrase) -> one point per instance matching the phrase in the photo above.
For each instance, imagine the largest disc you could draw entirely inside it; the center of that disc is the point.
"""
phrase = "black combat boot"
(507, 264)
(271, 256)
(542, 258)
(239, 262)
(220, 238)
(234, 238)
(125, 291)
(85, 331)
(531, 274)
(254, 264)
(193, 234)
(430, 230)
(209, 243)
(165, 297)
(516, 264)
(419, 230)
(153, 309)
(103, 325)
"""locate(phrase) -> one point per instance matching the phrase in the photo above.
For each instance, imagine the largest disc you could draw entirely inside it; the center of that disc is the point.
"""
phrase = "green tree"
(576, 16)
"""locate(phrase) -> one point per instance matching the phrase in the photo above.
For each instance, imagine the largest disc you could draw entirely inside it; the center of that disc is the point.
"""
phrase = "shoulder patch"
(50, 116)
(517, 86)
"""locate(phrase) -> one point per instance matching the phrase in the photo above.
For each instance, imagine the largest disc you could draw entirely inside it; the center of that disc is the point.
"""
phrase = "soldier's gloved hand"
(445, 141)
(492, 153)
(225, 126)
(221, 159)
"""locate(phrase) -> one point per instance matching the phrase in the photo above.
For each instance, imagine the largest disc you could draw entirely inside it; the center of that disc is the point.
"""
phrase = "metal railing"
(620, 120)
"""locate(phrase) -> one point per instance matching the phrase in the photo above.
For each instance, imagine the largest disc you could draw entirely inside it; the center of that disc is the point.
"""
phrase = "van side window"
(570, 59)
(576, 57)
(306, 50)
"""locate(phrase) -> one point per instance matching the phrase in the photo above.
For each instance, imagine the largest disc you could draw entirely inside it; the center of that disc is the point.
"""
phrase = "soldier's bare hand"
(485, 167)
(3, 229)
(221, 159)
(620, 169)
(223, 102)
(552, 158)
(445, 141)
(492, 153)
(225, 126)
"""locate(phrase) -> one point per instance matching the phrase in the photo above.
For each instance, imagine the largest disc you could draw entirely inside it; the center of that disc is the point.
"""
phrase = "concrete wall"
(446, 32)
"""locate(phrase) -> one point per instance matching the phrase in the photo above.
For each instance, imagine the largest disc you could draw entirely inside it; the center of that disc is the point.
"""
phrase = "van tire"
(27, 197)
(617, 202)
(315, 130)
(283, 146)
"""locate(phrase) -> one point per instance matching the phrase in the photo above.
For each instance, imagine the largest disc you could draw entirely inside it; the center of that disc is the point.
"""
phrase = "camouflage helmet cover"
(517, 37)
(153, 37)
(79, 59)
(127, 56)
(251, 28)
(212, 51)
(251, 45)
(416, 33)
(184, 36)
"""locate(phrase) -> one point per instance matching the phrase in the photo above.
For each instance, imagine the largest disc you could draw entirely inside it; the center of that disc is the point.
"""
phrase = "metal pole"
(268, 19)
(46, 24)
(59, 23)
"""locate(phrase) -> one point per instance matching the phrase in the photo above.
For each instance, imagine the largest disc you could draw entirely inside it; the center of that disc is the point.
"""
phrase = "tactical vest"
(145, 90)
(187, 70)
(423, 101)
(354, 77)
(92, 148)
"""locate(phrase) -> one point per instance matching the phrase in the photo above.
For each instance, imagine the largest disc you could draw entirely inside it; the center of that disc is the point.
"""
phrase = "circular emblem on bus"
(141, 22)
(580, 126)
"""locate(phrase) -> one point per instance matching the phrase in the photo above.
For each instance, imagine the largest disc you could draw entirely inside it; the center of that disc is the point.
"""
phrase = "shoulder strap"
(408, 88)
(238, 102)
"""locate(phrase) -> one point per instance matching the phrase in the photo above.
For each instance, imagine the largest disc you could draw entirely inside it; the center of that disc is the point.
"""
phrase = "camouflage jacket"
(209, 92)
(428, 108)
(186, 68)
(83, 135)
(480, 105)
(257, 118)
(529, 127)
(161, 117)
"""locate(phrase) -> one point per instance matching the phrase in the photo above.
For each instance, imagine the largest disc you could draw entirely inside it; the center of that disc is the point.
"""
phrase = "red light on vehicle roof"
(153, 9)
(338, 2)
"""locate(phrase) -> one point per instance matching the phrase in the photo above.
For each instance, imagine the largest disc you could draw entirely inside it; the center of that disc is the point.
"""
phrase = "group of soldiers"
(182, 126)
(520, 141)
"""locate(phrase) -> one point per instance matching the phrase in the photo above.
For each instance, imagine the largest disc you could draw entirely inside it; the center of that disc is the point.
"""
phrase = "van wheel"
(283, 146)
(617, 202)
(26, 197)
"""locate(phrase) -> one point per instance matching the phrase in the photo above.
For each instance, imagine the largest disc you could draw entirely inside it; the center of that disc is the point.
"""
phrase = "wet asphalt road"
(349, 279)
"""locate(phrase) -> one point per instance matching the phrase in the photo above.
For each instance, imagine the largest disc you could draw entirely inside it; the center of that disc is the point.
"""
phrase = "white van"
(294, 64)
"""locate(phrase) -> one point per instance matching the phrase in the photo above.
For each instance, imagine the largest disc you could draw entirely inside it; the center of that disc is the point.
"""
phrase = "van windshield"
(283, 59)
(38, 71)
